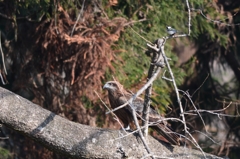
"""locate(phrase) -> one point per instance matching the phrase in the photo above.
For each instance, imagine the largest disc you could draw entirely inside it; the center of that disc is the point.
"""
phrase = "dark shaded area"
(59, 72)
(213, 93)
(49, 67)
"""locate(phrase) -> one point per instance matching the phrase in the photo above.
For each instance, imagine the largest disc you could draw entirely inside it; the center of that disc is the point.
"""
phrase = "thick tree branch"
(77, 140)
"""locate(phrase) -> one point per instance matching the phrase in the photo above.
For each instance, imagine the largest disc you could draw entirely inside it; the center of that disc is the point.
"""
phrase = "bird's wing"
(160, 125)
(138, 104)
(167, 133)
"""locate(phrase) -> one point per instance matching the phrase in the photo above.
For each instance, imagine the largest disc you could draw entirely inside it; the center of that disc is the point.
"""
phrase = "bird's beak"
(106, 86)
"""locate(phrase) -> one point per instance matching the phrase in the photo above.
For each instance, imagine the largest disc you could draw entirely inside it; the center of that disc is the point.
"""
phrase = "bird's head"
(168, 27)
(171, 31)
(112, 86)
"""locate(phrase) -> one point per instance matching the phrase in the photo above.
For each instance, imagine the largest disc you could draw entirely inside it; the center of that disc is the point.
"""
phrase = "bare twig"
(180, 104)
(141, 36)
(133, 21)
(78, 18)
(177, 36)
(200, 85)
(175, 87)
(115, 116)
(121, 106)
(155, 123)
(177, 94)
(164, 77)
(207, 137)
(138, 127)
(101, 8)
(55, 15)
(3, 61)
(211, 20)
(1, 77)
(214, 112)
(187, 94)
(133, 111)
(145, 112)
(159, 157)
(189, 17)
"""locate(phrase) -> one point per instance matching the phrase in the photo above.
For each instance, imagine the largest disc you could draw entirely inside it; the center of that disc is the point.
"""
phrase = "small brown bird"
(118, 96)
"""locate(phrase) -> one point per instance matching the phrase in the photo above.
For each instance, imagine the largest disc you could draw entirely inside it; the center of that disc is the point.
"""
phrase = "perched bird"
(118, 96)
(171, 31)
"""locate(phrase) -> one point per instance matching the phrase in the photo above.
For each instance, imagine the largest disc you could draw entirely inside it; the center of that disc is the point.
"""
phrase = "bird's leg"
(127, 128)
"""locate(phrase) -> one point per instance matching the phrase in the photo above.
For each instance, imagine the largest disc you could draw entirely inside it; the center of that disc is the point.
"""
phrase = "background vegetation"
(57, 60)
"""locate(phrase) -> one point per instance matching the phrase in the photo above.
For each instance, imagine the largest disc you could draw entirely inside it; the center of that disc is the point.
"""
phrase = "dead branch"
(76, 140)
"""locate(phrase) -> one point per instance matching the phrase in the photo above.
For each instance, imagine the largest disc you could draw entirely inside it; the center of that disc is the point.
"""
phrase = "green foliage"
(5, 154)
(87, 103)
(159, 14)
(34, 9)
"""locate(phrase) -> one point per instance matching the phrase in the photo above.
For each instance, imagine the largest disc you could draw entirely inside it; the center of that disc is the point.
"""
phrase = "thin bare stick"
(211, 20)
(4, 83)
(189, 23)
(138, 127)
(164, 77)
(159, 157)
(179, 100)
(141, 36)
(4, 67)
(133, 21)
(151, 124)
(220, 110)
(175, 87)
(4, 138)
(214, 112)
(200, 85)
(115, 116)
(189, 18)
(121, 106)
(133, 111)
(177, 36)
(187, 94)
(79, 16)
(55, 15)
(207, 137)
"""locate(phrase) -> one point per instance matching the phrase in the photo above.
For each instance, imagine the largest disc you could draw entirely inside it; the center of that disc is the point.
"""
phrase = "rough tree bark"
(77, 140)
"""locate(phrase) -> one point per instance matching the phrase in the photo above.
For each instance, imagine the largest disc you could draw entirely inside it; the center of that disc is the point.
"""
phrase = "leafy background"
(60, 72)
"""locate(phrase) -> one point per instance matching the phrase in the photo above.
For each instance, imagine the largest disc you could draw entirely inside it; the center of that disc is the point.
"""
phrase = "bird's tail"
(167, 133)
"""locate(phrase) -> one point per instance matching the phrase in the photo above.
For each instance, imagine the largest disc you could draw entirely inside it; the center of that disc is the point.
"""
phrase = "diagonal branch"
(75, 140)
